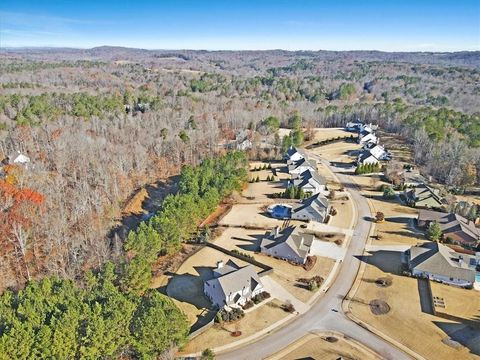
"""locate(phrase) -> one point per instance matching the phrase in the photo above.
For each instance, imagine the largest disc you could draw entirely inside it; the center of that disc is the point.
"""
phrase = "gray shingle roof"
(450, 223)
(300, 243)
(318, 202)
(423, 192)
(233, 281)
(304, 161)
(305, 177)
(439, 259)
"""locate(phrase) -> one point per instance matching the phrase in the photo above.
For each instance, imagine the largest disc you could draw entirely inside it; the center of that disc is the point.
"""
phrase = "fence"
(265, 268)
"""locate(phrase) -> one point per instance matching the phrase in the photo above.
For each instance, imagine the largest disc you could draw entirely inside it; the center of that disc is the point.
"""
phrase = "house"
(423, 196)
(366, 157)
(440, 263)
(353, 126)
(372, 154)
(293, 154)
(298, 167)
(244, 145)
(287, 244)
(379, 152)
(314, 208)
(19, 158)
(312, 182)
(454, 227)
(232, 285)
(365, 137)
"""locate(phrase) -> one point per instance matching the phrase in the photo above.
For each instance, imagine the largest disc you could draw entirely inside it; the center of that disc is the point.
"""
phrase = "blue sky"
(402, 25)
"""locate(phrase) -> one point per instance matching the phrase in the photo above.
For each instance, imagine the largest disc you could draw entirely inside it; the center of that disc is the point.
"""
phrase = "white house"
(354, 125)
(314, 208)
(19, 158)
(311, 181)
(366, 137)
(244, 145)
(440, 263)
(366, 157)
(380, 153)
(232, 285)
(293, 154)
(298, 167)
(287, 244)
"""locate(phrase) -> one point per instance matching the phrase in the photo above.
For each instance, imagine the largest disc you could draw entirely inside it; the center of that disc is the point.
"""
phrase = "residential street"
(327, 313)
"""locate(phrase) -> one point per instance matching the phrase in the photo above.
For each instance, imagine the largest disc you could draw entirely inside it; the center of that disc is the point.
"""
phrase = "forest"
(99, 124)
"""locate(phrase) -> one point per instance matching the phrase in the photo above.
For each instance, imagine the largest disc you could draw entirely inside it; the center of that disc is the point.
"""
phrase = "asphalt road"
(327, 313)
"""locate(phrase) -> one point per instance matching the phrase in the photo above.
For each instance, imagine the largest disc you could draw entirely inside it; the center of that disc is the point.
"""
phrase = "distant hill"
(109, 53)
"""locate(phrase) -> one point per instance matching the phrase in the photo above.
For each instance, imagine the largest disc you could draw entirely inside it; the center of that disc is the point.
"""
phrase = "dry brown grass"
(316, 346)
(287, 274)
(254, 321)
(406, 323)
(344, 215)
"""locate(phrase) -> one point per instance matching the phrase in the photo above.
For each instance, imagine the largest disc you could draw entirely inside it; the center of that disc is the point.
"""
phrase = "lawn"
(254, 321)
(186, 285)
(423, 333)
(284, 273)
(325, 346)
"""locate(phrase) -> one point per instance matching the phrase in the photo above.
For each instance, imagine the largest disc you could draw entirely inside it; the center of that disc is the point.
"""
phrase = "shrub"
(207, 354)
(248, 305)
(389, 193)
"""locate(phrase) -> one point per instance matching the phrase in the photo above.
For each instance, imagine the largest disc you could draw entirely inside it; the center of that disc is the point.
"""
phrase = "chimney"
(276, 231)
(220, 264)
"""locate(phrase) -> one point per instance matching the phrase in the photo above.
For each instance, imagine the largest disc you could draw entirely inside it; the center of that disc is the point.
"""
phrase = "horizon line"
(3, 48)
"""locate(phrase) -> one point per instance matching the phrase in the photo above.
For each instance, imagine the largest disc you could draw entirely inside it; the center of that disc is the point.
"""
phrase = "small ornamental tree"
(379, 217)
(389, 193)
(434, 231)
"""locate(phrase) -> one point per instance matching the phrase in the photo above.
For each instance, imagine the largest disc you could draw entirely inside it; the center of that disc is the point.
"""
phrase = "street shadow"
(252, 243)
(387, 261)
(369, 218)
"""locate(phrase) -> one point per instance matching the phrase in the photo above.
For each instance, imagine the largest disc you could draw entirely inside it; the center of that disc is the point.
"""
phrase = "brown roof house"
(424, 196)
(232, 285)
(455, 227)
(440, 263)
(287, 244)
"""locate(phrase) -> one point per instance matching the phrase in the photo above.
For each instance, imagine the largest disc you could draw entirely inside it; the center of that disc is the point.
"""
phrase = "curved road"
(321, 316)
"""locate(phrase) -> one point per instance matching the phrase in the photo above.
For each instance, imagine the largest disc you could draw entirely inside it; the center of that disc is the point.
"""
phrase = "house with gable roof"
(287, 244)
(232, 285)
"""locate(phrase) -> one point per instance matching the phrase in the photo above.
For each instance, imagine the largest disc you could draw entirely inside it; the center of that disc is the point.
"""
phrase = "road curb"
(353, 290)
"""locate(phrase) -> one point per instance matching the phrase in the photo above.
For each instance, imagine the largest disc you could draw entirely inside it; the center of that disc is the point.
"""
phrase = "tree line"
(201, 189)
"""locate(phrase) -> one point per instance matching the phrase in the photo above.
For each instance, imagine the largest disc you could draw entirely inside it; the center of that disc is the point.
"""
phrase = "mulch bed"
(310, 263)
(379, 307)
(384, 281)
(331, 339)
